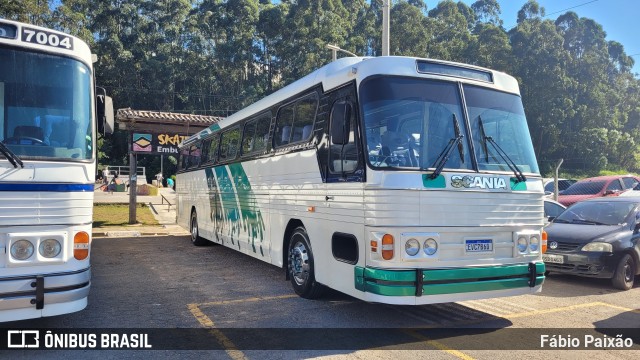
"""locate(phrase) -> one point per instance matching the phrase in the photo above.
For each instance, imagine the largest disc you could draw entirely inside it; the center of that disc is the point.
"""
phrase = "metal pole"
(555, 181)
(133, 165)
(386, 5)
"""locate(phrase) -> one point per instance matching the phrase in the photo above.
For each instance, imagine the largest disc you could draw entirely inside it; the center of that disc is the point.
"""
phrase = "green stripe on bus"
(518, 186)
(454, 288)
(437, 183)
(403, 282)
(229, 204)
(252, 220)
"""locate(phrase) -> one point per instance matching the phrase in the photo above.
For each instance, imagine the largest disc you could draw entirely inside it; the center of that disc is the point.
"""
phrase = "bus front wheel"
(301, 266)
(195, 235)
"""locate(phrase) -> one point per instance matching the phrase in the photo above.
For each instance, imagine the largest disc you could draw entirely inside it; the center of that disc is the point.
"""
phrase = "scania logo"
(482, 182)
(553, 245)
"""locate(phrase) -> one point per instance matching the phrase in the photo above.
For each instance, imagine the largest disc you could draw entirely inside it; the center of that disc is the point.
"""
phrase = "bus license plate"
(478, 246)
(555, 259)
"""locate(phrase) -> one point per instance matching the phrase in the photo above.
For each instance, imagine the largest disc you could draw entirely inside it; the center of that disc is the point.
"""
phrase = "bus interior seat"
(306, 131)
(286, 133)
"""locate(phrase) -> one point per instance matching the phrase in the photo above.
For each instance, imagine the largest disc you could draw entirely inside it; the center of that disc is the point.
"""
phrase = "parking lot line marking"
(230, 348)
(554, 310)
(636, 311)
(252, 299)
(438, 345)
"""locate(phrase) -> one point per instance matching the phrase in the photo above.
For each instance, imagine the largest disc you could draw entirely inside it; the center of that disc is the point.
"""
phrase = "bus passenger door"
(345, 175)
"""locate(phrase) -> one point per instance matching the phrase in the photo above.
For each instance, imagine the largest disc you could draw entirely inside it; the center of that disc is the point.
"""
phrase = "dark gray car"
(597, 238)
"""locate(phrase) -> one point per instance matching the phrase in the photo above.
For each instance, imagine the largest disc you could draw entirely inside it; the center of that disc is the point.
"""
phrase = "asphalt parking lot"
(229, 305)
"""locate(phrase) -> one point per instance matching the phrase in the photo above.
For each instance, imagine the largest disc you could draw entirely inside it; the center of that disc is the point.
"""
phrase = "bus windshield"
(410, 122)
(45, 106)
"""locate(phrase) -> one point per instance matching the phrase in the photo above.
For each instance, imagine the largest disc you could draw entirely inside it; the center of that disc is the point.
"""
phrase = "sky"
(619, 18)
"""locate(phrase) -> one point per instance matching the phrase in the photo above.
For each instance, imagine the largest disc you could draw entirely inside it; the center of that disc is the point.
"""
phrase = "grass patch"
(118, 215)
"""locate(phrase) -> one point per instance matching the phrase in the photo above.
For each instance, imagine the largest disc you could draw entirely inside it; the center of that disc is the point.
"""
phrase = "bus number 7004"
(46, 38)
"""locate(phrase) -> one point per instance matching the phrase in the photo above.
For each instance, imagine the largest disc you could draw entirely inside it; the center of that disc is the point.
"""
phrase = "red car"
(612, 185)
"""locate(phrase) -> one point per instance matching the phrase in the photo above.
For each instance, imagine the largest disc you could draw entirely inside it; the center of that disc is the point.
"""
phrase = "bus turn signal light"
(544, 241)
(387, 247)
(81, 245)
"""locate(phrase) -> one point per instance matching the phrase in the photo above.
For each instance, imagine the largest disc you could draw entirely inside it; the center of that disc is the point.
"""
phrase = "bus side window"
(283, 125)
(343, 149)
(212, 151)
(229, 144)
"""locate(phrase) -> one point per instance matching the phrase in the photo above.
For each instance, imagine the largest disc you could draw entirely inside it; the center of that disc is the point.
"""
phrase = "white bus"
(49, 116)
(392, 179)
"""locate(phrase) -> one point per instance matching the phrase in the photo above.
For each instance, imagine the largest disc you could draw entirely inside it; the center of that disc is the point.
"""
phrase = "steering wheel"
(17, 140)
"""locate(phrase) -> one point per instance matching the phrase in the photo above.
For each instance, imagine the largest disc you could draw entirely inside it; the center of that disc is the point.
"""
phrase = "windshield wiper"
(505, 157)
(446, 152)
(586, 222)
(11, 156)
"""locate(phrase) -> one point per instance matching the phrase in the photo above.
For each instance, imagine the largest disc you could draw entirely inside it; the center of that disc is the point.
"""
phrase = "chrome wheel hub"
(299, 263)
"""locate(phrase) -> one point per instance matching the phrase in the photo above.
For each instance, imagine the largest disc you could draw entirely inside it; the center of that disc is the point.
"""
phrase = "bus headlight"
(49, 248)
(522, 244)
(22, 249)
(430, 246)
(534, 244)
(412, 247)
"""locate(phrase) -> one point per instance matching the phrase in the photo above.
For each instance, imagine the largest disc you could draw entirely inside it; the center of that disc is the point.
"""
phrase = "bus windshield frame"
(46, 106)
(399, 111)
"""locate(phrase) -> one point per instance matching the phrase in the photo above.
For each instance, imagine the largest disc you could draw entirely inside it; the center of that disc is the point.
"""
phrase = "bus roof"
(344, 70)
(12, 33)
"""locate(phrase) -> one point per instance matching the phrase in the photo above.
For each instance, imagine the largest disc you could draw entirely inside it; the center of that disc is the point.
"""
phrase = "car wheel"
(196, 239)
(625, 272)
(301, 266)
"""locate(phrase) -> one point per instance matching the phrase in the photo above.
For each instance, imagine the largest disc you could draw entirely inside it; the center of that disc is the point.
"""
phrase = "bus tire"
(300, 265)
(196, 239)
(625, 272)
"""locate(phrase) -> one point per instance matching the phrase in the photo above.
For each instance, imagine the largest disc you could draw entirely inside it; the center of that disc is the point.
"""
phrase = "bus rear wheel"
(301, 266)
(196, 239)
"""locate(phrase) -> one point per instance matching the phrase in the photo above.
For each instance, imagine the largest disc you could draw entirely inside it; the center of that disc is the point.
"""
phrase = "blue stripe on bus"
(46, 187)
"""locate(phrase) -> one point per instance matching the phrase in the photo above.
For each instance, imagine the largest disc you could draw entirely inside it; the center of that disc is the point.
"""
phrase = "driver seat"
(28, 131)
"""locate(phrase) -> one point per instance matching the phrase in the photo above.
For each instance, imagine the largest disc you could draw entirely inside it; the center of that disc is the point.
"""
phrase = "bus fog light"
(50, 248)
(22, 249)
(522, 244)
(534, 244)
(430, 246)
(412, 247)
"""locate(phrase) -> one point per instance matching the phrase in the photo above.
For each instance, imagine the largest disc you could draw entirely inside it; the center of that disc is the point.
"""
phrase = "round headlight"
(22, 249)
(430, 246)
(534, 243)
(411, 247)
(50, 248)
(522, 244)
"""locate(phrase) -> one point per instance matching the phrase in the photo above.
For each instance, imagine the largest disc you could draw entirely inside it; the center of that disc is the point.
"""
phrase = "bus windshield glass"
(45, 106)
(410, 123)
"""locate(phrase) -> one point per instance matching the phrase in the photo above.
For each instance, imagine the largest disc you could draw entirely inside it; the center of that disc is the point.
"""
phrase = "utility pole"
(386, 6)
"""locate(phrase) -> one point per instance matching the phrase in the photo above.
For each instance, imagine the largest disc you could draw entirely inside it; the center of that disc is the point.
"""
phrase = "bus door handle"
(327, 198)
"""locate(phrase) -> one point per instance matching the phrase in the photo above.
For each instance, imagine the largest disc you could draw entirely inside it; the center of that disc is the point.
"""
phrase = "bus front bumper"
(33, 296)
(426, 286)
